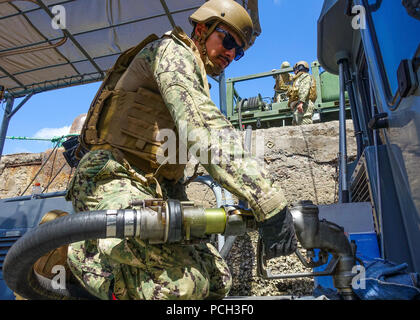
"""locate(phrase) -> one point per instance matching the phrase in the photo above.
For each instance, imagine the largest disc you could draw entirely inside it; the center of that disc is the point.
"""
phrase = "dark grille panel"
(360, 188)
(5, 245)
(359, 185)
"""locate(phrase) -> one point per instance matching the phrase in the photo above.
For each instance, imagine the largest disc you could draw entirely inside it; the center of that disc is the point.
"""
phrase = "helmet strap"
(211, 68)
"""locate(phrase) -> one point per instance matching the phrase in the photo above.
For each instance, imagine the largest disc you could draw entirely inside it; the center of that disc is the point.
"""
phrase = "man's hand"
(278, 234)
(292, 105)
(300, 107)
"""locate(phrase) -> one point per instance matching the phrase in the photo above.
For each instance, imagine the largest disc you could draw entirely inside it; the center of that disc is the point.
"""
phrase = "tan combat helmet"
(303, 63)
(228, 12)
(285, 64)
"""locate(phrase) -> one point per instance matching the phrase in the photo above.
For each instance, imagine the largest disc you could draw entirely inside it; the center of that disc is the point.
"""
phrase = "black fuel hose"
(17, 267)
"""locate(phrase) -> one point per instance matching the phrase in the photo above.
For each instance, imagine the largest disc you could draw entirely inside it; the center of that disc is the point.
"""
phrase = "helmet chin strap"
(211, 68)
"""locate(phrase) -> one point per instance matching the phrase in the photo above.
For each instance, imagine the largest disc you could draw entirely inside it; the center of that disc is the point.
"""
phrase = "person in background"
(283, 83)
(302, 94)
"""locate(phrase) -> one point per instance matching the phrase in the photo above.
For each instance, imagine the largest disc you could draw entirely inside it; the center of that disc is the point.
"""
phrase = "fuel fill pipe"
(156, 221)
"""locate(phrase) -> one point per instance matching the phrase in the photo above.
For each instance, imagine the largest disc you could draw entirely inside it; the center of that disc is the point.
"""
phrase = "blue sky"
(289, 32)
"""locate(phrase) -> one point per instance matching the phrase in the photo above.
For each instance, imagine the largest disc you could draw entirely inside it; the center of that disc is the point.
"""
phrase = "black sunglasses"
(230, 43)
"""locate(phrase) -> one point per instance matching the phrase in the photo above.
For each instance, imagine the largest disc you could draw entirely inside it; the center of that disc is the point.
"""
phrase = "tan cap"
(285, 64)
(228, 12)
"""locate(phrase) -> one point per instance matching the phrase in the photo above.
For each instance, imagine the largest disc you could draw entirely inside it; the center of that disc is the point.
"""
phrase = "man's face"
(216, 52)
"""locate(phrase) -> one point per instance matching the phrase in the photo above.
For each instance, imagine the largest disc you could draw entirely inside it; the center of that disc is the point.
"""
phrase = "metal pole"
(344, 191)
(20, 105)
(353, 107)
(5, 123)
(378, 177)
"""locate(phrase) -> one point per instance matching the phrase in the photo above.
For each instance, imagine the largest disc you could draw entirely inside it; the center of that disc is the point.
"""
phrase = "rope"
(52, 168)
(43, 165)
(53, 139)
(58, 142)
(46, 188)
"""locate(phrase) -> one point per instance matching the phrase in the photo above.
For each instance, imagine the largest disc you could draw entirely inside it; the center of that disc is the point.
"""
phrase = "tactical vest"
(293, 92)
(130, 121)
(283, 82)
(312, 92)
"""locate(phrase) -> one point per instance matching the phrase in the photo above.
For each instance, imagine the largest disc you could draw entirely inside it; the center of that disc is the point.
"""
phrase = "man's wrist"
(274, 213)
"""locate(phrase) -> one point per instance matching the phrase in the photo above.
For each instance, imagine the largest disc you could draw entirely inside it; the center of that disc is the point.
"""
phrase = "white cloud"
(48, 133)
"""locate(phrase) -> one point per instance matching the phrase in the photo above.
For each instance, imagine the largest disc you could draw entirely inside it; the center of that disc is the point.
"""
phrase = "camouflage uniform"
(134, 269)
(300, 93)
(283, 83)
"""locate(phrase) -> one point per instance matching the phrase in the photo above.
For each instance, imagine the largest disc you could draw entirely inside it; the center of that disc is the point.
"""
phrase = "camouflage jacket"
(300, 88)
(172, 65)
(283, 82)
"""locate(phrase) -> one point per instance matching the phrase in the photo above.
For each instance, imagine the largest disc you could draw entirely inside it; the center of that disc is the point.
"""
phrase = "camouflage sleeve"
(304, 87)
(211, 137)
(285, 81)
(277, 82)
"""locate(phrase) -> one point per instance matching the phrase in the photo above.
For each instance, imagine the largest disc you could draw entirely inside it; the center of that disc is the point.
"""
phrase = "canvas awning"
(36, 57)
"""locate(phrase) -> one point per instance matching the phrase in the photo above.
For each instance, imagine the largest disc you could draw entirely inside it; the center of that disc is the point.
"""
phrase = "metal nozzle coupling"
(172, 221)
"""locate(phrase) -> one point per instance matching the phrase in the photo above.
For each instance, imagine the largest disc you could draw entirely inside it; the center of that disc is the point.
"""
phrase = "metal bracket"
(264, 272)
(379, 121)
(323, 258)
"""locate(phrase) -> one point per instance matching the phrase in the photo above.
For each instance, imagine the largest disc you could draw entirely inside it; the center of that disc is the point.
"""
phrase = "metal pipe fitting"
(313, 233)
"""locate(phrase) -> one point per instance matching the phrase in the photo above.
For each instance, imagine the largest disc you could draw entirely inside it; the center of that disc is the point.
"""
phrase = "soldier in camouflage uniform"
(302, 94)
(283, 83)
(165, 86)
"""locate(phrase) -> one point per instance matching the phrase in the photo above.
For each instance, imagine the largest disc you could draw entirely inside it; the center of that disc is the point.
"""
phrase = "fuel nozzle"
(315, 233)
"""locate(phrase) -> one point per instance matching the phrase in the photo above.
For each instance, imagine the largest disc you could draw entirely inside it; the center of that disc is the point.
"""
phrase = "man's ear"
(200, 30)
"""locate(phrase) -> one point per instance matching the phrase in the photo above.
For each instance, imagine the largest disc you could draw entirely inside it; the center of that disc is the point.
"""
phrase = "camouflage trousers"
(130, 268)
(305, 117)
